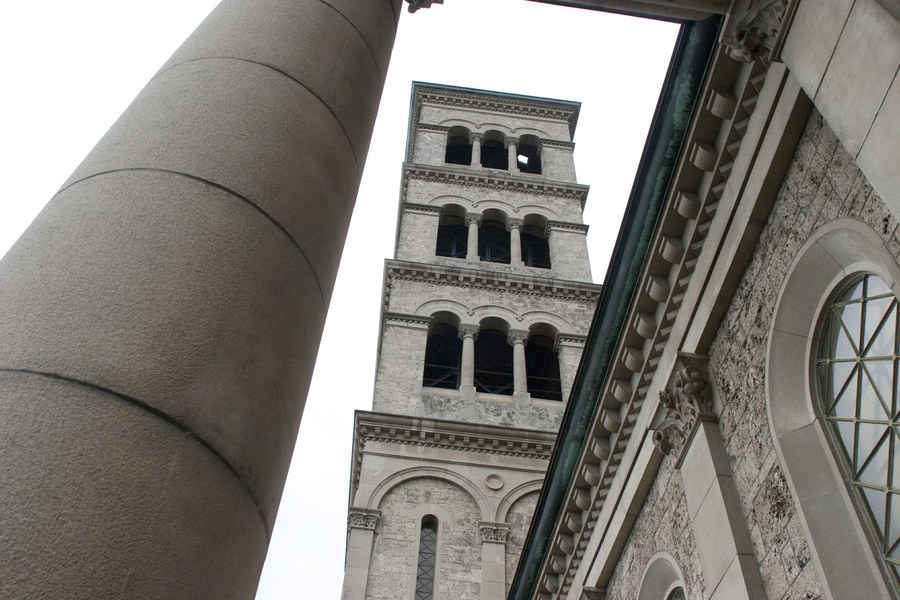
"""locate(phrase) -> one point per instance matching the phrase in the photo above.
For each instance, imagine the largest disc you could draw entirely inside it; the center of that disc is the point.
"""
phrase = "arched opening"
(452, 233)
(535, 244)
(528, 154)
(443, 352)
(493, 151)
(493, 358)
(542, 363)
(427, 561)
(459, 146)
(493, 238)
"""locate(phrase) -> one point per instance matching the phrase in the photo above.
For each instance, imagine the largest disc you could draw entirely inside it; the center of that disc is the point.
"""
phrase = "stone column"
(513, 157)
(468, 333)
(472, 220)
(362, 523)
(515, 242)
(686, 427)
(517, 338)
(159, 321)
(493, 559)
(476, 150)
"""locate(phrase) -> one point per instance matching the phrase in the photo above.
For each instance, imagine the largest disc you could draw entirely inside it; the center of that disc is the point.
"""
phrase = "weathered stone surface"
(822, 184)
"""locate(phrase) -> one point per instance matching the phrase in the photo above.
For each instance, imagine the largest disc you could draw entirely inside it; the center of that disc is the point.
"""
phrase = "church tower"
(485, 310)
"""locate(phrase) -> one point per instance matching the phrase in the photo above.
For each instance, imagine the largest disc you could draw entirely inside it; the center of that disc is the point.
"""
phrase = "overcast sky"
(70, 68)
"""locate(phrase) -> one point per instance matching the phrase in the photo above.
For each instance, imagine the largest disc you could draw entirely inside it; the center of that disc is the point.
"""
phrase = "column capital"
(517, 336)
(514, 223)
(685, 407)
(473, 218)
(363, 518)
(475, 136)
(495, 533)
(415, 5)
(468, 330)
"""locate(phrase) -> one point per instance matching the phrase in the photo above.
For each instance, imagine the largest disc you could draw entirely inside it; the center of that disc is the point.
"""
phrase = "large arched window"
(427, 560)
(493, 358)
(459, 146)
(542, 364)
(493, 238)
(809, 344)
(494, 154)
(528, 154)
(535, 245)
(452, 236)
(442, 353)
(857, 378)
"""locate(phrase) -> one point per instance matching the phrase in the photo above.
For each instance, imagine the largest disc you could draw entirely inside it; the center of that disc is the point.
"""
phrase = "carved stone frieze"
(683, 409)
(363, 518)
(756, 30)
(493, 532)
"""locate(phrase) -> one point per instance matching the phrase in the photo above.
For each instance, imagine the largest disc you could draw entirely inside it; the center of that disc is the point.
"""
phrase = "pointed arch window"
(857, 373)
(427, 562)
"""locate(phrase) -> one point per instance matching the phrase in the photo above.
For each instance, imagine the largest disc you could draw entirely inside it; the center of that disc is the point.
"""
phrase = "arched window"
(442, 353)
(542, 364)
(528, 154)
(493, 151)
(676, 594)
(452, 235)
(493, 238)
(535, 245)
(459, 146)
(427, 562)
(857, 392)
(493, 358)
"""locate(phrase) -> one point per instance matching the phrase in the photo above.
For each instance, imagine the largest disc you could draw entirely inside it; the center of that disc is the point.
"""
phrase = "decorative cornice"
(558, 144)
(566, 226)
(407, 320)
(567, 112)
(466, 437)
(756, 31)
(434, 128)
(493, 181)
(571, 340)
(492, 532)
(683, 409)
(721, 113)
(363, 518)
(475, 278)
(422, 209)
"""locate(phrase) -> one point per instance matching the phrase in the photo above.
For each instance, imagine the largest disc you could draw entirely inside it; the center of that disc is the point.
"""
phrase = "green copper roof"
(670, 122)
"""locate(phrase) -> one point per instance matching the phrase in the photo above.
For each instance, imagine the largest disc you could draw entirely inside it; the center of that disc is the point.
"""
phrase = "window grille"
(427, 559)
(858, 395)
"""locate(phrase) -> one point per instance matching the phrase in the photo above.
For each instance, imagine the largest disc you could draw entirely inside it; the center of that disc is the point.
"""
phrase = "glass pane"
(851, 318)
(844, 344)
(845, 405)
(870, 406)
(846, 429)
(854, 292)
(876, 500)
(879, 376)
(882, 343)
(875, 286)
(875, 467)
(868, 438)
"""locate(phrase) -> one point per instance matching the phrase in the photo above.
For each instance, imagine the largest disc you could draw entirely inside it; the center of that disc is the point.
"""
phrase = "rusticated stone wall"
(662, 526)
(822, 185)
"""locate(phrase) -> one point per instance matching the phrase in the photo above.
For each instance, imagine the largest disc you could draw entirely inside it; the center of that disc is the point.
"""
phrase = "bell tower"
(486, 307)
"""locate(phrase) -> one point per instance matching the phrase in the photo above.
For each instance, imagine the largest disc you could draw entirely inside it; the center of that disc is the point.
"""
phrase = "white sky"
(70, 68)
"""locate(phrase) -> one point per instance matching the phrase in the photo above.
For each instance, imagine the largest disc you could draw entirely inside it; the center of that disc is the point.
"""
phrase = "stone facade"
(662, 526)
(470, 455)
(822, 185)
